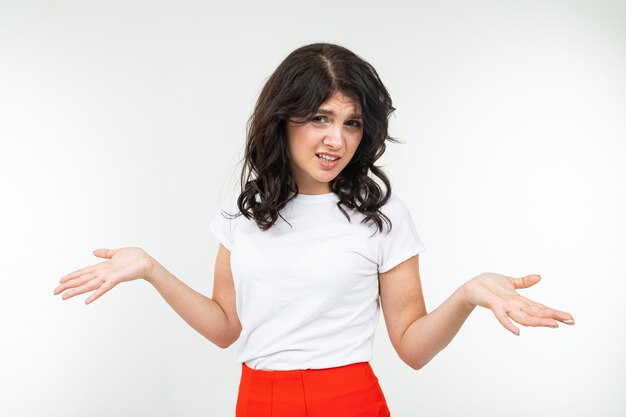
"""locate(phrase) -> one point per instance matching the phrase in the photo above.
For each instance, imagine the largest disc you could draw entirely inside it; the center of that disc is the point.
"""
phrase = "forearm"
(429, 334)
(202, 313)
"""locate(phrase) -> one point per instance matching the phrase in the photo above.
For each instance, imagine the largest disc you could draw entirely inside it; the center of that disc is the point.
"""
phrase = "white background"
(122, 124)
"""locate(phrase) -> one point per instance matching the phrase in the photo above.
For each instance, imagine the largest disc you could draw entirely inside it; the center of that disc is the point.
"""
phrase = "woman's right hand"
(125, 264)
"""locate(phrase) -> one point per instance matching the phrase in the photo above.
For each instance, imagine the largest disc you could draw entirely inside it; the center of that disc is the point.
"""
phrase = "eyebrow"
(332, 113)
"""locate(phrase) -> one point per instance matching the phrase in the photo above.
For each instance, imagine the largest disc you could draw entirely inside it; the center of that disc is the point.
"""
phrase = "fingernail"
(569, 322)
(556, 326)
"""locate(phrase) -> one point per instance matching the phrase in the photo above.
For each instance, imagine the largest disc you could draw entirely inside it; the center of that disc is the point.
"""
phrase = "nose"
(334, 136)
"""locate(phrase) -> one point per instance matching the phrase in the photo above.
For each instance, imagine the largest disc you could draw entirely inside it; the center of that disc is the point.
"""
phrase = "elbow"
(416, 359)
(416, 365)
(221, 344)
(223, 341)
(226, 342)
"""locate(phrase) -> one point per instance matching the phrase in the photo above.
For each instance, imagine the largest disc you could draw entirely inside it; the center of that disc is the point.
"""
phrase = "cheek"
(294, 142)
(307, 144)
(299, 135)
(356, 143)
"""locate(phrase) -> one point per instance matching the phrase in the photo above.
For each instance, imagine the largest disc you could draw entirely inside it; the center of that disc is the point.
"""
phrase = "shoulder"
(397, 212)
(228, 201)
(395, 206)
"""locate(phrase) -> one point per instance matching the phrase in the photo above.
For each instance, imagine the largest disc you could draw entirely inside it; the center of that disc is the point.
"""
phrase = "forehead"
(341, 103)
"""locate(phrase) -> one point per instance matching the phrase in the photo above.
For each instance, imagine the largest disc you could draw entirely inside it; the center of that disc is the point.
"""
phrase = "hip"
(348, 391)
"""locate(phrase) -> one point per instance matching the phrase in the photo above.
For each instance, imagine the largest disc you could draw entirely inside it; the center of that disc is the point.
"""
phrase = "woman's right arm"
(216, 319)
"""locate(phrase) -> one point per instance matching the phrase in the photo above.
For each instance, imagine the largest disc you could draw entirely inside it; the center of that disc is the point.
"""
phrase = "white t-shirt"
(307, 296)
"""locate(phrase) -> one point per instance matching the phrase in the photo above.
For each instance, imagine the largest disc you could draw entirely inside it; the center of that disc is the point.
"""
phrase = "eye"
(353, 123)
(319, 119)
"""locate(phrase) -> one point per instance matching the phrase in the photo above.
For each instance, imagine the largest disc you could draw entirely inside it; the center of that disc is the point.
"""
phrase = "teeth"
(326, 158)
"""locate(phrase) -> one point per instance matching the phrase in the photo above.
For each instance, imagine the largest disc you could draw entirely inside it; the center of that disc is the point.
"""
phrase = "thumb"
(104, 253)
(526, 281)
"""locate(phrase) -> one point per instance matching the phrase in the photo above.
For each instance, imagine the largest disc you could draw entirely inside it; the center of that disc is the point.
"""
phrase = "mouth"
(327, 163)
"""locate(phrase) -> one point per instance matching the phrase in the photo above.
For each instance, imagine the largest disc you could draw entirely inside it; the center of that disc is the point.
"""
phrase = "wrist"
(150, 269)
(464, 292)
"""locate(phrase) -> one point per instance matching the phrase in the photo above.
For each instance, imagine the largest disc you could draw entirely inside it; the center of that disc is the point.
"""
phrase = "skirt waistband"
(348, 391)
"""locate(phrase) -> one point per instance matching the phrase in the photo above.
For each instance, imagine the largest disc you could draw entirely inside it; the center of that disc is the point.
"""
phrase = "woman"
(315, 244)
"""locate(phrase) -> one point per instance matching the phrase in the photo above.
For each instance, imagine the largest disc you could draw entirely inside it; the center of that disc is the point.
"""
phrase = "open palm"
(125, 264)
(498, 293)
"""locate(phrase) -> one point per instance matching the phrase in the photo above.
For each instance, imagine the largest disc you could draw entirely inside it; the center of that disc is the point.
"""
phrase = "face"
(334, 131)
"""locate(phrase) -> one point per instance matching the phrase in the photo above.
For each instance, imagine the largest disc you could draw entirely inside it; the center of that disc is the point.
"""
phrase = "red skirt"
(346, 391)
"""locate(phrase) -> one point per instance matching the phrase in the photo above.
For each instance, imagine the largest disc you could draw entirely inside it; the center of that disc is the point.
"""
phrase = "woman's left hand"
(498, 293)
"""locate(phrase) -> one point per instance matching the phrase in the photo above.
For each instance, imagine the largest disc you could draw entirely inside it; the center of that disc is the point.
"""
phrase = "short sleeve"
(403, 241)
(221, 224)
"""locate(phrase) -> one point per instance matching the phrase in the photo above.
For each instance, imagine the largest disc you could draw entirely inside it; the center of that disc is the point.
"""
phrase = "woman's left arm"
(417, 336)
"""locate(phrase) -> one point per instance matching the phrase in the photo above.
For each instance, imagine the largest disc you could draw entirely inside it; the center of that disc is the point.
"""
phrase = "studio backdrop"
(122, 123)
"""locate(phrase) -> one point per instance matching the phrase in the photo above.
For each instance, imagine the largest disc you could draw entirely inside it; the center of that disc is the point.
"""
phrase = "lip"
(332, 155)
(326, 164)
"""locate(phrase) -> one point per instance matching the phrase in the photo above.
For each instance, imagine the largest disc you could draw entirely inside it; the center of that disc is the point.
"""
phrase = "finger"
(505, 321)
(104, 253)
(538, 309)
(521, 301)
(77, 273)
(563, 317)
(525, 319)
(82, 271)
(531, 302)
(525, 281)
(543, 311)
(75, 282)
(106, 286)
(534, 310)
(89, 286)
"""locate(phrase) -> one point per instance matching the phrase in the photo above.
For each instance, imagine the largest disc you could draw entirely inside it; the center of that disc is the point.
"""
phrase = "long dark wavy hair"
(308, 77)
